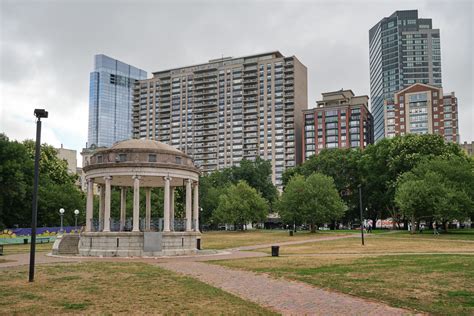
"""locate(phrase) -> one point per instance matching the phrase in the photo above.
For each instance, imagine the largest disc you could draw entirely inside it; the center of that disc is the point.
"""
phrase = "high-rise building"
(226, 110)
(110, 101)
(468, 148)
(340, 120)
(422, 109)
(403, 50)
(70, 156)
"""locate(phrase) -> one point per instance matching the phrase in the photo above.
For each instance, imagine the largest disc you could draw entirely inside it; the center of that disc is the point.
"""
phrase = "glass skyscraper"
(403, 50)
(110, 101)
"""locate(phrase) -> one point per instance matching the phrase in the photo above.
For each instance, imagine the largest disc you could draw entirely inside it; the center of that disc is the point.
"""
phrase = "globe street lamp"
(76, 212)
(61, 213)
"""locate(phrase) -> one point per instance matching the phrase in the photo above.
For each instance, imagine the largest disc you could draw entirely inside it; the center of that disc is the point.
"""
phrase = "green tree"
(290, 208)
(437, 189)
(258, 175)
(16, 178)
(343, 166)
(315, 200)
(211, 186)
(382, 163)
(241, 204)
(56, 187)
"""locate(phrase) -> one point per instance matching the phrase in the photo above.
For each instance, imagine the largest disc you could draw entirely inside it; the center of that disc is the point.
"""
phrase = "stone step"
(69, 245)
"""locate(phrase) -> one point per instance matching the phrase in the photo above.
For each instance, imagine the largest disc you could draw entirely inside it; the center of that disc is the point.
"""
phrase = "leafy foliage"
(241, 204)
(314, 200)
(439, 189)
(56, 187)
(382, 163)
(256, 173)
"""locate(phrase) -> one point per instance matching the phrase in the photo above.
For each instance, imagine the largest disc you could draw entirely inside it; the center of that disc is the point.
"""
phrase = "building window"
(151, 158)
(122, 157)
(178, 160)
(99, 159)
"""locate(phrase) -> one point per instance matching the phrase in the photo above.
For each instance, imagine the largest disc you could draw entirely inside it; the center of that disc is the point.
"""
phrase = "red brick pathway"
(283, 296)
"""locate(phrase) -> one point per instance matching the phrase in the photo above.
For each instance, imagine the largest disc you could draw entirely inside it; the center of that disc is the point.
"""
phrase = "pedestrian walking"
(435, 230)
(422, 227)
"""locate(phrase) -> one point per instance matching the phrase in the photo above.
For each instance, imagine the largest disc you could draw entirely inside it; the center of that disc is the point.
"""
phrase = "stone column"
(188, 206)
(123, 207)
(108, 180)
(136, 204)
(172, 209)
(101, 207)
(196, 207)
(90, 205)
(166, 206)
(148, 209)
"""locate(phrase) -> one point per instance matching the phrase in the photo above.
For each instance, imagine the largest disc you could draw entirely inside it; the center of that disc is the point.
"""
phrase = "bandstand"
(140, 164)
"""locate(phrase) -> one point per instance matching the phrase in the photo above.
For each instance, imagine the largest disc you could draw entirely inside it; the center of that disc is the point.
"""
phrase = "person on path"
(422, 227)
(435, 231)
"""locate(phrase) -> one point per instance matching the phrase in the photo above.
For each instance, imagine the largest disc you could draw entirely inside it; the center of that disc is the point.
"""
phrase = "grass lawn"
(437, 284)
(233, 239)
(22, 248)
(454, 234)
(375, 244)
(111, 288)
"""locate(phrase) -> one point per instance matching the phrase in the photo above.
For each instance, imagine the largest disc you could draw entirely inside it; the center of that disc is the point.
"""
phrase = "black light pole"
(361, 217)
(39, 113)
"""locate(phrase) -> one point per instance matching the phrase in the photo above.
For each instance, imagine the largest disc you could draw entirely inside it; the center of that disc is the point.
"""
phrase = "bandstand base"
(138, 244)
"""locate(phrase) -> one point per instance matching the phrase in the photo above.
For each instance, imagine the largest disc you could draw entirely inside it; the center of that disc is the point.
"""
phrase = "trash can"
(275, 251)
(198, 244)
(291, 233)
(25, 241)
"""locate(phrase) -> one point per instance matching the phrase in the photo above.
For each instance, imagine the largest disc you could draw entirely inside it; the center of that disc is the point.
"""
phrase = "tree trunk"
(374, 222)
(446, 226)
(313, 228)
(413, 226)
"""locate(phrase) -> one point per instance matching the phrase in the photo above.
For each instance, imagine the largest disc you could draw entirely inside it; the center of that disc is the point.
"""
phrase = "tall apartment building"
(468, 148)
(340, 120)
(422, 109)
(403, 50)
(226, 110)
(70, 156)
(110, 101)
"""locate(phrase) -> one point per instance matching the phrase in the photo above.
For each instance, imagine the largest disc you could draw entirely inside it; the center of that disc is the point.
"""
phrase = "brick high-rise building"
(422, 109)
(340, 120)
(227, 109)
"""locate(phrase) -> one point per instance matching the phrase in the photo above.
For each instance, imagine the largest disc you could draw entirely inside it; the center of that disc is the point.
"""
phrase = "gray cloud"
(47, 47)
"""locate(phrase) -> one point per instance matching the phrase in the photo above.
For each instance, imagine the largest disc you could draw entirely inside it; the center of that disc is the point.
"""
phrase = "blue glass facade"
(110, 101)
(403, 50)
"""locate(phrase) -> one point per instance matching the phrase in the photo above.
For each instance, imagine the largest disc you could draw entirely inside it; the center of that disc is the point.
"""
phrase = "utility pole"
(361, 217)
(39, 113)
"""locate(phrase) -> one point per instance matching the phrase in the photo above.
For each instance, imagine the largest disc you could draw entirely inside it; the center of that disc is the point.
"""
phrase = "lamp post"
(76, 213)
(361, 217)
(61, 213)
(39, 113)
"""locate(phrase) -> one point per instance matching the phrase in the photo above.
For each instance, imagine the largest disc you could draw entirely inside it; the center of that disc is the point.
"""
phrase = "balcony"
(250, 75)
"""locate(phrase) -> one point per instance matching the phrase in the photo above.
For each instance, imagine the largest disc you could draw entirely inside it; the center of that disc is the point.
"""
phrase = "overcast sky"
(47, 49)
